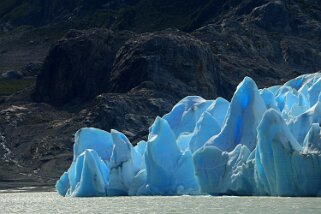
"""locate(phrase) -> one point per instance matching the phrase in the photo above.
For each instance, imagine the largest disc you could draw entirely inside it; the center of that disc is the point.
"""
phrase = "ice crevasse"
(265, 142)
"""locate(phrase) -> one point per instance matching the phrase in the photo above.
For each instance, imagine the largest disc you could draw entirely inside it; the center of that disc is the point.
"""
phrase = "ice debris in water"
(263, 142)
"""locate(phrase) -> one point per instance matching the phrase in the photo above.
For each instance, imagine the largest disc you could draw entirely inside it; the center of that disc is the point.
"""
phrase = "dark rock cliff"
(78, 66)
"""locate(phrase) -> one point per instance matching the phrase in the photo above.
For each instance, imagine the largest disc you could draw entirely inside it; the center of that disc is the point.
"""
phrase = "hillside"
(139, 15)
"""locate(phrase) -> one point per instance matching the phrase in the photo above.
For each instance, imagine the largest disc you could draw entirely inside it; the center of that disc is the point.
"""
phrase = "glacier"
(264, 142)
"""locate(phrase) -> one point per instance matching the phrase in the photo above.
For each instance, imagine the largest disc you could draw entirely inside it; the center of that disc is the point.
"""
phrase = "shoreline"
(8, 187)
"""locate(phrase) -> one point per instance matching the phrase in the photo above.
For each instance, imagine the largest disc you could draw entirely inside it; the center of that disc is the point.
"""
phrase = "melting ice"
(264, 142)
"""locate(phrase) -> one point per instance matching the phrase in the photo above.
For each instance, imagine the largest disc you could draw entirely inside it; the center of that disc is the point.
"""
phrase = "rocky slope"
(122, 79)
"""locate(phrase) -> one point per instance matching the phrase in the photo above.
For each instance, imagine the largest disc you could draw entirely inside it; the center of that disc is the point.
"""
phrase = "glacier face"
(265, 142)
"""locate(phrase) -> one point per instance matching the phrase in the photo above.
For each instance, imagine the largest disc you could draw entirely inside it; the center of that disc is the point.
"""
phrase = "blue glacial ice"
(265, 142)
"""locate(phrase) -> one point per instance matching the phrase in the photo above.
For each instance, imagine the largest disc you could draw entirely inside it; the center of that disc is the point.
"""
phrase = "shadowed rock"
(78, 66)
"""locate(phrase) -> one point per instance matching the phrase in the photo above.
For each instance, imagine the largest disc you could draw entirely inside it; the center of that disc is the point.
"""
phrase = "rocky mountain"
(144, 15)
(137, 61)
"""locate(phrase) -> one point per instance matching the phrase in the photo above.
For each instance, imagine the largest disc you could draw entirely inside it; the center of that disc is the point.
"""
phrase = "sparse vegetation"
(8, 87)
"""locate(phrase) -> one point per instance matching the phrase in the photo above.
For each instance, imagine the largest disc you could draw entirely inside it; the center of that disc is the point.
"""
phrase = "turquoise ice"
(264, 142)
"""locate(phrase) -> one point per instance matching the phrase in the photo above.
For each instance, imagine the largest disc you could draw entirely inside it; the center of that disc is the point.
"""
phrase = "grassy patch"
(8, 87)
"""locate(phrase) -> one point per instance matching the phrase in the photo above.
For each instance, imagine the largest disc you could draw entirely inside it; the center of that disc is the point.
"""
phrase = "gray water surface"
(51, 202)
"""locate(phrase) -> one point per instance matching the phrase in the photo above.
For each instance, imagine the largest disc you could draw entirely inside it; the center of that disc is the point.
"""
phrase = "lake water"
(51, 202)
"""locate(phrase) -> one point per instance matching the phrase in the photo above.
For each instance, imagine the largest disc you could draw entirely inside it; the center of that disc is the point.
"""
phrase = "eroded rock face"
(167, 60)
(78, 66)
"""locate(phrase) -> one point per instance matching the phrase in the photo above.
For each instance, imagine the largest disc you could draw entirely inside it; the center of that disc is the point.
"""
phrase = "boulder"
(12, 75)
(169, 60)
